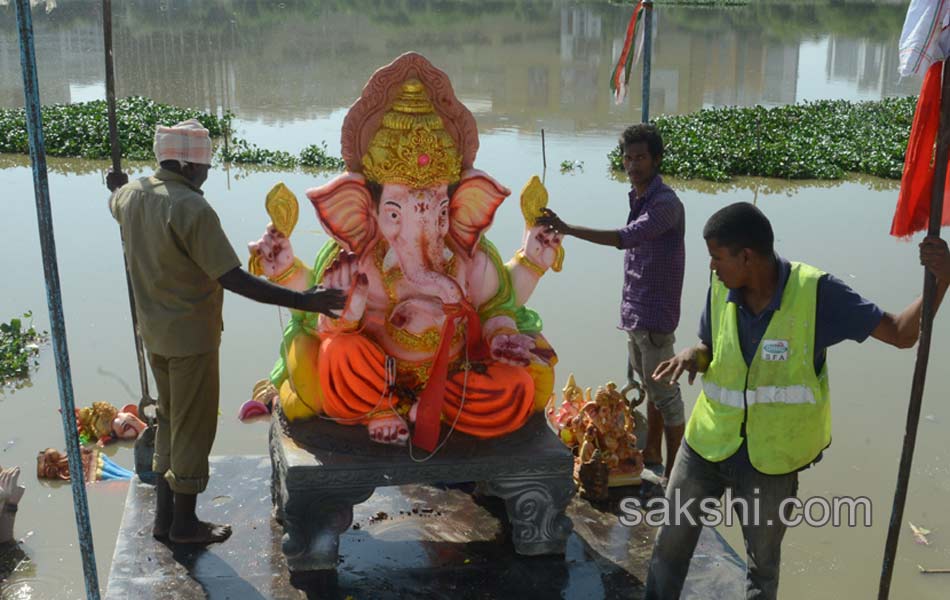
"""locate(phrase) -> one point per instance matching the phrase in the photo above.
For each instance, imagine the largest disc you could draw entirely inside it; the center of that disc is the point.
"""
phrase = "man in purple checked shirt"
(652, 284)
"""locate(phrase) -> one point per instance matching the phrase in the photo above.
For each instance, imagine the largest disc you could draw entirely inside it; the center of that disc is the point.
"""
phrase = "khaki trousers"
(188, 389)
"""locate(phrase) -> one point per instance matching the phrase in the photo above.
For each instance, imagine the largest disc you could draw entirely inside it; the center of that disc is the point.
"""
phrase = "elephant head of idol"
(409, 146)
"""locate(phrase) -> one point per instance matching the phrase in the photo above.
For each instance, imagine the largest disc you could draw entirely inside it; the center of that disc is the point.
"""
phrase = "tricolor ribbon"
(621, 73)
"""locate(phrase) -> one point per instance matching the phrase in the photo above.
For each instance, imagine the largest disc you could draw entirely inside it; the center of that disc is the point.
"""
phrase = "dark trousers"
(694, 477)
(187, 414)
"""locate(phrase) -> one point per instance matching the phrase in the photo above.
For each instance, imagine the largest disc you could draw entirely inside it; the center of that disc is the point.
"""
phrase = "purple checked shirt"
(654, 261)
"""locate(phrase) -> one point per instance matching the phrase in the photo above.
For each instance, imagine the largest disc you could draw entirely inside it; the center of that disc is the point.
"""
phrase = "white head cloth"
(187, 141)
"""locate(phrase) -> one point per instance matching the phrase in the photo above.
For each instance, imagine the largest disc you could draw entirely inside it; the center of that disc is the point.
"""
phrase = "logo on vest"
(773, 350)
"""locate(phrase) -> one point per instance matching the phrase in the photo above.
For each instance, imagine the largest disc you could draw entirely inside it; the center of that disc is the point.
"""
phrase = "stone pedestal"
(322, 469)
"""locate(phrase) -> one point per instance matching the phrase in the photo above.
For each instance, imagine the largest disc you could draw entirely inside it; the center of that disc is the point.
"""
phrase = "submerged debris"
(920, 534)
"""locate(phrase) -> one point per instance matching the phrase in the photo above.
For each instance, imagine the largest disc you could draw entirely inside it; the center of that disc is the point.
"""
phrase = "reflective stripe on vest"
(779, 400)
(792, 394)
(722, 395)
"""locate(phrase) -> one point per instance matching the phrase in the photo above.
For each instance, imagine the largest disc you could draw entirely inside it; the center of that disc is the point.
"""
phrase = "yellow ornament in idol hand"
(534, 198)
(282, 208)
(284, 211)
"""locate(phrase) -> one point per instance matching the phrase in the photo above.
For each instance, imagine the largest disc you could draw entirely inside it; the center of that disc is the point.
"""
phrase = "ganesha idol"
(435, 329)
(104, 423)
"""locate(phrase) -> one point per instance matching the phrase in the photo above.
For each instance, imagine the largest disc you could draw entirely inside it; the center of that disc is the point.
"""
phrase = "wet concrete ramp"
(406, 542)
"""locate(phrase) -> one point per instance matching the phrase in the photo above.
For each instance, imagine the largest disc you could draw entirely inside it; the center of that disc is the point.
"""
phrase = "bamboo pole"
(34, 126)
(923, 347)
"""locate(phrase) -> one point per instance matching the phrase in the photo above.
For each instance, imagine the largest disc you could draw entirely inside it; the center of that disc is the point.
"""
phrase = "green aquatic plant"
(19, 348)
(571, 166)
(243, 152)
(812, 140)
(316, 157)
(81, 130)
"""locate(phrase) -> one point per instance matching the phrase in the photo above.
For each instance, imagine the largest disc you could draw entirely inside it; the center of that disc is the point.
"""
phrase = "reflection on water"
(289, 70)
(513, 63)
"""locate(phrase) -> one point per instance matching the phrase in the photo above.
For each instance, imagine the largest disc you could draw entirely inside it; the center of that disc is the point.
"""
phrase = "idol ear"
(472, 208)
(346, 211)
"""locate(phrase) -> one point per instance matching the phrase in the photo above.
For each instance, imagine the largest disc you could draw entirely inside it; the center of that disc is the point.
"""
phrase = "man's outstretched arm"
(604, 237)
(316, 299)
(903, 329)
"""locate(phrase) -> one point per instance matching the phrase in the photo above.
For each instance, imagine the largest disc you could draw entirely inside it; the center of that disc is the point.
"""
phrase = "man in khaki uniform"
(180, 261)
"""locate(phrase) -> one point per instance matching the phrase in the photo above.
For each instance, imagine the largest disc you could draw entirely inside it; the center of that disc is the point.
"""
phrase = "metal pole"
(34, 126)
(923, 348)
(647, 58)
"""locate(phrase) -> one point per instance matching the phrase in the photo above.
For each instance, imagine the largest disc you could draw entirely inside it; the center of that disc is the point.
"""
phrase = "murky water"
(289, 70)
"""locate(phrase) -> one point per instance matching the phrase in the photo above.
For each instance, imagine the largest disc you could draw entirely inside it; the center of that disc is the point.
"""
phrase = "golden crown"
(411, 146)
(97, 419)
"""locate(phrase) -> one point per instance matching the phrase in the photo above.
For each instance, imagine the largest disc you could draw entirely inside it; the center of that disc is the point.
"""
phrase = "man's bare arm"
(604, 237)
(903, 329)
(315, 299)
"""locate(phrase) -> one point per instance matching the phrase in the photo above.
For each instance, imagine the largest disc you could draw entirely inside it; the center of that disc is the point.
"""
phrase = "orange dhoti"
(489, 404)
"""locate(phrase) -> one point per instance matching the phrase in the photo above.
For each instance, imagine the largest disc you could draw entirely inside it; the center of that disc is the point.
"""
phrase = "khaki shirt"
(176, 251)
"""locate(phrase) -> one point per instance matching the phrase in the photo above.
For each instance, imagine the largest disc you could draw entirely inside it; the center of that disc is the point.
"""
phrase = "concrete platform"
(406, 541)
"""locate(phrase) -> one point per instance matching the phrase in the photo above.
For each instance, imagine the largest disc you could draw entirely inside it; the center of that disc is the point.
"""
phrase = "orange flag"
(913, 203)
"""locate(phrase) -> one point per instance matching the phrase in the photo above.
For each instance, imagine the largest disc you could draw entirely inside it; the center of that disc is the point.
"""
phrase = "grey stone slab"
(321, 470)
(411, 541)
(327, 453)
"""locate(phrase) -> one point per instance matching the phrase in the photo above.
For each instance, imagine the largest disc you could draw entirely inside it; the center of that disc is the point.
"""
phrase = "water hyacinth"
(19, 347)
(812, 140)
(317, 157)
(243, 152)
(313, 156)
(81, 130)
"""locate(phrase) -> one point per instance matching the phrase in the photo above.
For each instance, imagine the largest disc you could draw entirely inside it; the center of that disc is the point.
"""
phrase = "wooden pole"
(544, 158)
(110, 86)
(923, 346)
(145, 445)
(116, 147)
(54, 297)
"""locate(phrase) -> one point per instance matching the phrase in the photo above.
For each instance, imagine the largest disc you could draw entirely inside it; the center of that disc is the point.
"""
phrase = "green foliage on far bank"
(19, 346)
(81, 130)
(813, 140)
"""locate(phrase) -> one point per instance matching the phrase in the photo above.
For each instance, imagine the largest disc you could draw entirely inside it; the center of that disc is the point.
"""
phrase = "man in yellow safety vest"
(764, 412)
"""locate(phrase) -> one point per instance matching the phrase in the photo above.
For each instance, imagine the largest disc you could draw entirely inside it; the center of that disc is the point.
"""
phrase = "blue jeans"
(694, 477)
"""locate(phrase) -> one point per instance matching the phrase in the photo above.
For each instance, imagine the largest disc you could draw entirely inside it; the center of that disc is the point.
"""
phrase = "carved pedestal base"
(322, 469)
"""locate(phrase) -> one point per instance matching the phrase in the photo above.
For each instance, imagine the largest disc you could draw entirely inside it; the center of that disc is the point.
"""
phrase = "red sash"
(429, 411)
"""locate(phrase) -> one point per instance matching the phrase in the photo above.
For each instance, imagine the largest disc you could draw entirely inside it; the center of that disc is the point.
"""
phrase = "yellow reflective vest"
(780, 403)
